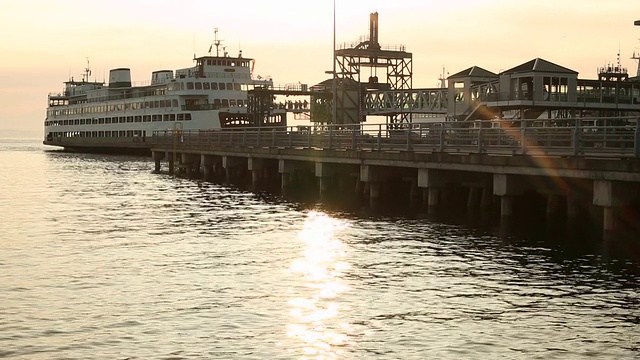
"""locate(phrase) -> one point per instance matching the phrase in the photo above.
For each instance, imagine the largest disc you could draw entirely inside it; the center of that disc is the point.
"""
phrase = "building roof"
(539, 65)
(474, 71)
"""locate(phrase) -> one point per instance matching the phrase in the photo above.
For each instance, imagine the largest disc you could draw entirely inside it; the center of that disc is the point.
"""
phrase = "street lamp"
(334, 116)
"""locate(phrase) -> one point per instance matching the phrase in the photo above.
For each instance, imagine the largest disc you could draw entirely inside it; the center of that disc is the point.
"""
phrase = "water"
(101, 259)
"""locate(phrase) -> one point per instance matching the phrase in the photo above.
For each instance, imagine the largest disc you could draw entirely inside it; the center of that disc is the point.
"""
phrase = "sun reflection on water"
(315, 313)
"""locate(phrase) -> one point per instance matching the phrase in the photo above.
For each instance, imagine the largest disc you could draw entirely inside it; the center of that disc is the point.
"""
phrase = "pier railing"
(620, 138)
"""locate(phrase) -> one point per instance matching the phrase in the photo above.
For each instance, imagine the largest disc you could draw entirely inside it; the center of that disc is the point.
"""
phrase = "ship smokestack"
(119, 78)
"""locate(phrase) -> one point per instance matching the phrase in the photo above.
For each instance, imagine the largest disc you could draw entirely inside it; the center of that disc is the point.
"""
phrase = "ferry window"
(94, 134)
(232, 102)
(166, 117)
(172, 117)
(156, 104)
(180, 117)
(187, 117)
(81, 121)
(236, 86)
(181, 86)
(129, 119)
(206, 86)
(138, 118)
(94, 121)
(240, 102)
(174, 102)
(100, 133)
(129, 133)
(229, 86)
(214, 86)
(121, 119)
(101, 121)
(209, 62)
(222, 86)
(198, 86)
(189, 86)
(216, 101)
(225, 103)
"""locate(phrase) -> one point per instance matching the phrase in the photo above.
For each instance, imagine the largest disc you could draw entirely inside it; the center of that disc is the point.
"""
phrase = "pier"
(580, 170)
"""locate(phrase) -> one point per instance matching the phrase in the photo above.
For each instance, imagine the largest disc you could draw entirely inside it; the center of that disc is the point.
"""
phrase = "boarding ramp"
(424, 101)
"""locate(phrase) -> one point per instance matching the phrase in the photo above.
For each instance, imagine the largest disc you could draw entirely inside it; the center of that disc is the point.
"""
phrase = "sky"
(44, 43)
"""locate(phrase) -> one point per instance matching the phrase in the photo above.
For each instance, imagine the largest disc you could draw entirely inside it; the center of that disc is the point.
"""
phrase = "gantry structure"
(393, 63)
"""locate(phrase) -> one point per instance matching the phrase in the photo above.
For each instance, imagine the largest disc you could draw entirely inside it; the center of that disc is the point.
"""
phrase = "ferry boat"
(121, 116)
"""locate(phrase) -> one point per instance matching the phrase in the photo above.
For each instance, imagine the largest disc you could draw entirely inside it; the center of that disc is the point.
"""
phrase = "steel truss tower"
(368, 54)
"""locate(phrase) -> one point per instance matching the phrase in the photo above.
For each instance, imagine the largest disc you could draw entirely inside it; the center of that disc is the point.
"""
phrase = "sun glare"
(315, 313)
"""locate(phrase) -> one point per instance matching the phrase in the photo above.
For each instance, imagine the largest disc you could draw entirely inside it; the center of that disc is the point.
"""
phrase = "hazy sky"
(46, 42)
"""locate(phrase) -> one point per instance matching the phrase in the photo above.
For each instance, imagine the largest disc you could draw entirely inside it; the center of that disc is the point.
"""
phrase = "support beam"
(487, 199)
(256, 167)
(285, 181)
(207, 163)
(157, 158)
(609, 219)
(231, 165)
(610, 195)
(553, 206)
(207, 170)
(375, 193)
(511, 185)
(323, 185)
(506, 207)
(433, 199)
(473, 198)
(428, 178)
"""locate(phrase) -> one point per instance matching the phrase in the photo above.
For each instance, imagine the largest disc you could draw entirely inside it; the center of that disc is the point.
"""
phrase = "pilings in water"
(499, 197)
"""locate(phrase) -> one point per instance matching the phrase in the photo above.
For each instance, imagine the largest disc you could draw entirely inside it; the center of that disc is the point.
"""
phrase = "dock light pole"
(334, 114)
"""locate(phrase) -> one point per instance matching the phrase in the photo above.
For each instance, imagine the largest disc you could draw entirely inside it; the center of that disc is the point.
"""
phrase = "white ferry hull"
(119, 116)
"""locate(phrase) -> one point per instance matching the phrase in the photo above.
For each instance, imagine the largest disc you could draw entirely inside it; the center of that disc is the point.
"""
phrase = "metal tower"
(353, 60)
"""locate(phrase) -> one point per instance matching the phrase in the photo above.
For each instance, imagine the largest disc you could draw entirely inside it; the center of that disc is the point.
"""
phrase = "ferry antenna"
(216, 42)
(87, 72)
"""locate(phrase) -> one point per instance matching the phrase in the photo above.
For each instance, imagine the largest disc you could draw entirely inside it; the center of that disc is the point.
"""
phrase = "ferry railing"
(568, 137)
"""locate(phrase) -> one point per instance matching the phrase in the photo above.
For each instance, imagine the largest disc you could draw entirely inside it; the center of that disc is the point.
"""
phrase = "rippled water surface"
(100, 258)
